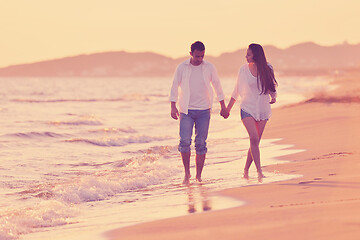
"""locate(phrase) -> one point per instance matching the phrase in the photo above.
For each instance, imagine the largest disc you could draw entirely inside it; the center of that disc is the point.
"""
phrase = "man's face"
(197, 57)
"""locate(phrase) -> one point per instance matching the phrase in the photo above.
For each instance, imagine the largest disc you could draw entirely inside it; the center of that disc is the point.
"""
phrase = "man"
(194, 77)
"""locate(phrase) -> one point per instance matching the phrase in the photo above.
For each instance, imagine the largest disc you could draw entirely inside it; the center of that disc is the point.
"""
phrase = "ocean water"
(80, 156)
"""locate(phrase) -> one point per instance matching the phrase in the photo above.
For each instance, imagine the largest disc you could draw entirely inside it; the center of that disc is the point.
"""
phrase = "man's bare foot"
(187, 179)
(246, 174)
(198, 179)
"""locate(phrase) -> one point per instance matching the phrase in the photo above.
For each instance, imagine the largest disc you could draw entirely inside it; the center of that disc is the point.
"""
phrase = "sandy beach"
(323, 204)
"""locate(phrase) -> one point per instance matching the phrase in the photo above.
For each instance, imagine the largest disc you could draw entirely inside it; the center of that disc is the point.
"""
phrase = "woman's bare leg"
(261, 126)
(249, 160)
(255, 131)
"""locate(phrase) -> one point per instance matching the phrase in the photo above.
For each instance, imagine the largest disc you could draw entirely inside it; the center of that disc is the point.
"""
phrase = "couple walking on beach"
(256, 86)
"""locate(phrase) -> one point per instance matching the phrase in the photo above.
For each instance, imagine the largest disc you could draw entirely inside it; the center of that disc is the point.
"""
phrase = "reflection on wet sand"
(198, 195)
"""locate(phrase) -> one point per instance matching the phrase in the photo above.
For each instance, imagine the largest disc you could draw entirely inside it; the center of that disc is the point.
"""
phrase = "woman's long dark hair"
(265, 75)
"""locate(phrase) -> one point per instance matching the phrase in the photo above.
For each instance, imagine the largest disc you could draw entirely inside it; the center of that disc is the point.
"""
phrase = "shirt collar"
(188, 62)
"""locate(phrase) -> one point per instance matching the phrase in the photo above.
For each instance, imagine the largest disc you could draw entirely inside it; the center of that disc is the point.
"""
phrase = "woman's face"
(249, 56)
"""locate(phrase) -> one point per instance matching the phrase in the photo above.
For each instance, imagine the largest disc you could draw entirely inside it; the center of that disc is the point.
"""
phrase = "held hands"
(224, 113)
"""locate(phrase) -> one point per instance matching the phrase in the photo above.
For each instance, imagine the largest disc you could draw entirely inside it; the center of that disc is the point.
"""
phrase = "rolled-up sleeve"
(215, 81)
(239, 88)
(273, 94)
(175, 86)
(235, 94)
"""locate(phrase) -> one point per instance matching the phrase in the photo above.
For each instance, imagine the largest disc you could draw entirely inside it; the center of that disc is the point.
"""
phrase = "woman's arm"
(230, 104)
(273, 97)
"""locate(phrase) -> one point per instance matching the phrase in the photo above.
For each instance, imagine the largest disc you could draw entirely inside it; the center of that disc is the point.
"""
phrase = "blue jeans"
(201, 120)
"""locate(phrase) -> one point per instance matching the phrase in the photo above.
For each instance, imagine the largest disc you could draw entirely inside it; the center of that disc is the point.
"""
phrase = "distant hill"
(95, 65)
(302, 59)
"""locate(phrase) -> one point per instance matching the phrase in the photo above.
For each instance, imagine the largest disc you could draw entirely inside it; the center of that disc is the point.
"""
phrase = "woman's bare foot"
(246, 174)
(260, 176)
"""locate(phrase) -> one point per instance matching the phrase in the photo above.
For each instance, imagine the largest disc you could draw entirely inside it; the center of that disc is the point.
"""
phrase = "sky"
(37, 30)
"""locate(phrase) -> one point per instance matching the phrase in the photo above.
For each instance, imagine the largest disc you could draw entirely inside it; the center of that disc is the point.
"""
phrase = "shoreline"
(236, 202)
(319, 205)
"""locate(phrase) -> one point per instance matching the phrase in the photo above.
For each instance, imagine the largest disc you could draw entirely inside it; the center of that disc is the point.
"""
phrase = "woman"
(255, 84)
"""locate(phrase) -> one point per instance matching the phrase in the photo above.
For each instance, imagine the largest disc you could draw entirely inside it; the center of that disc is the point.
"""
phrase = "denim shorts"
(201, 120)
(244, 114)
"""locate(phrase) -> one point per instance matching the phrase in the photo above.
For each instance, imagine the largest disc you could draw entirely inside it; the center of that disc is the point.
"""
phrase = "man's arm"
(174, 111)
(215, 81)
(174, 93)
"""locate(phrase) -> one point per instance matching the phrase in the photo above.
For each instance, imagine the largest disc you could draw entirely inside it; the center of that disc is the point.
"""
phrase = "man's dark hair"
(197, 46)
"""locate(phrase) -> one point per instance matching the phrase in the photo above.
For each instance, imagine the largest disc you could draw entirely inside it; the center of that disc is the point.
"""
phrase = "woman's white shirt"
(251, 99)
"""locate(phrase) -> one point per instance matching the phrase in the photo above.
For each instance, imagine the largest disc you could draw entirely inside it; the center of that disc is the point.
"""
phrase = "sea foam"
(56, 202)
(118, 141)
